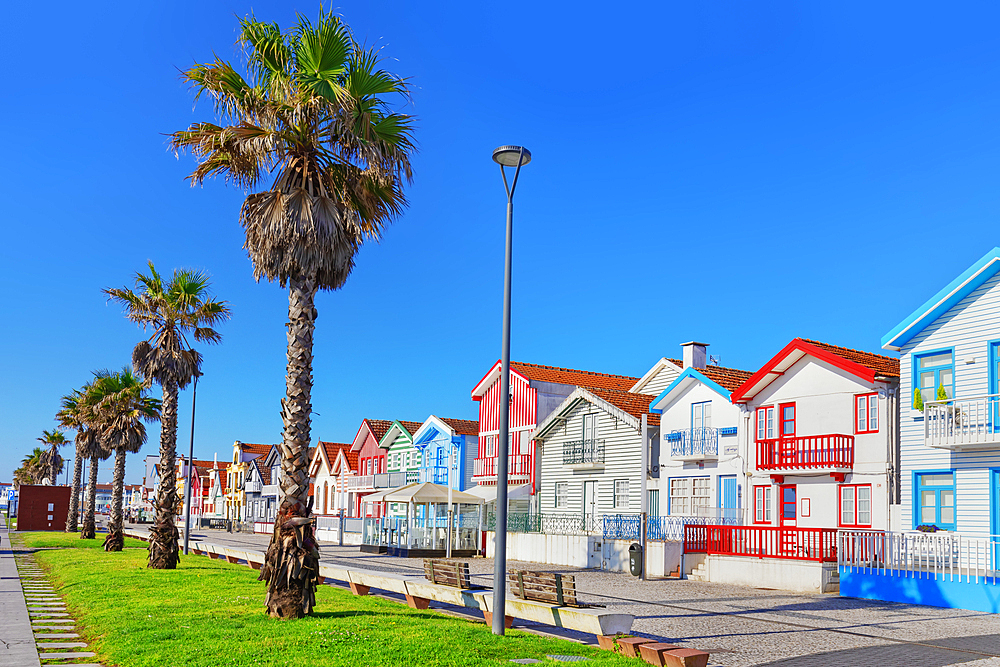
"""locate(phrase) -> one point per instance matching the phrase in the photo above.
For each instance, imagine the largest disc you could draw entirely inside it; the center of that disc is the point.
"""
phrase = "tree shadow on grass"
(343, 614)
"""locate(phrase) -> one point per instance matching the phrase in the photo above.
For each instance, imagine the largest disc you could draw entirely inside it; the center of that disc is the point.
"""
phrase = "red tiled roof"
(728, 378)
(882, 365)
(256, 450)
(411, 427)
(462, 426)
(634, 404)
(588, 379)
(265, 474)
(379, 427)
(331, 449)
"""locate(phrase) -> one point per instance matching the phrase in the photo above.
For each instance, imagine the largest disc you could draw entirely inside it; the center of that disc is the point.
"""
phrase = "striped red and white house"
(535, 390)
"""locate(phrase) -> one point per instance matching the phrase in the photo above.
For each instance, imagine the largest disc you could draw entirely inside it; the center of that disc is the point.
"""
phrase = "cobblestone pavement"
(743, 626)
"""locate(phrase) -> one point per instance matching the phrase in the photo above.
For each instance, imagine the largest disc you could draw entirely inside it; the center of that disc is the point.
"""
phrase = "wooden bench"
(557, 589)
(447, 572)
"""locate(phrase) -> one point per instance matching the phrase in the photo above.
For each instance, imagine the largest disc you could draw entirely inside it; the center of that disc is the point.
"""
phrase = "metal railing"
(548, 523)
(518, 467)
(327, 523)
(583, 451)
(916, 555)
(672, 527)
(965, 422)
(694, 442)
(818, 544)
(831, 450)
(353, 524)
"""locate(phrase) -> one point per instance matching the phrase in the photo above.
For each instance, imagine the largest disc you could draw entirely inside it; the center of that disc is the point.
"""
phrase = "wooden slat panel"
(447, 572)
(543, 587)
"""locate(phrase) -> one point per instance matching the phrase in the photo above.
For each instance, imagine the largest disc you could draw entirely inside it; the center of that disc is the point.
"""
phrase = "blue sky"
(738, 173)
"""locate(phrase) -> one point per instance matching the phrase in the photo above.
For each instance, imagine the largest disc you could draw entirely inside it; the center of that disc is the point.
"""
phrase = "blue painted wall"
(942, 592)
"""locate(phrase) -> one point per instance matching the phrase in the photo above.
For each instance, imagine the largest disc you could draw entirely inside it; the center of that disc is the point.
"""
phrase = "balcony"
(518, 468)
(961, 424)
(385, 480)
(584, 454)
(819, 454)
(694, 444)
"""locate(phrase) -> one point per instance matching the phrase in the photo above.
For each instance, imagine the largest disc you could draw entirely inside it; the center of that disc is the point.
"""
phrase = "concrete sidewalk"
(17, 641)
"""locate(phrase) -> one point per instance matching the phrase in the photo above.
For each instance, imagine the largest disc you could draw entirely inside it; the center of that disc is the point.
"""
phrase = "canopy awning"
(379, 496)
(489, 493)
(429, 493)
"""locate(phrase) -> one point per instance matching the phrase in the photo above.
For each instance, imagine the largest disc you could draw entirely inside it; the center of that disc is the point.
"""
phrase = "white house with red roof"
(820, 424)
(700, 465)
(535, 392)
(332, 464)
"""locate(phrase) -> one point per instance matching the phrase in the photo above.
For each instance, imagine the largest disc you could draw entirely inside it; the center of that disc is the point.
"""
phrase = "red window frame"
(765, 413)
(765, 495)
(782, 421)
(871, 401)
(840, 505)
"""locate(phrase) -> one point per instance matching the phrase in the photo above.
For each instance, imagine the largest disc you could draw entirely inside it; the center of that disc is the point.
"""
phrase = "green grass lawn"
(210, 613)
(46, 539)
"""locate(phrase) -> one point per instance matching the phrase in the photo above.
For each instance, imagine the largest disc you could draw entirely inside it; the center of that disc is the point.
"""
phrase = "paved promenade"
(17, 641)
(743, 626)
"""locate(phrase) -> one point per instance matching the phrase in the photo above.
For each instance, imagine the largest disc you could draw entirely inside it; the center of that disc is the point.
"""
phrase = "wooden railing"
(819, 544)
(518, 466)
(831, 450)
(957, 424)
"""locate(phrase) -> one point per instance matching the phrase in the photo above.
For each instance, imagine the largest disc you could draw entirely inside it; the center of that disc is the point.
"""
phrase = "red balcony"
(518, 468)
(820, 453)
(819, 544)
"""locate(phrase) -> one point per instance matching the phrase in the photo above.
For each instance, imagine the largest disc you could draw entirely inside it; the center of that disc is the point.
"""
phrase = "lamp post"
(190, 464)
(505, 156)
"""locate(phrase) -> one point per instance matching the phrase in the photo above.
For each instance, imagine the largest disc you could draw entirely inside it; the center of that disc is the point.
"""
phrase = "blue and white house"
(943, 549)
(701, 467)
(444, 443)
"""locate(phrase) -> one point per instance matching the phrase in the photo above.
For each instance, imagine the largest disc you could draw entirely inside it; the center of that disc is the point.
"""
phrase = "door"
(994, 390)
(589, 502)
(728, 502)
(589, 438)
(786, 519)
(995, 516)
(787, 448)
(701, 420)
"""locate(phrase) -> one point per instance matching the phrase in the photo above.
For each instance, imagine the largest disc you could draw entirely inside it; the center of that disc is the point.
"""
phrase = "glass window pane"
(862, 408)
(937, 480)
(946, 380)
(927, 380)
(873, 413)
(932, 360)
(947, 498)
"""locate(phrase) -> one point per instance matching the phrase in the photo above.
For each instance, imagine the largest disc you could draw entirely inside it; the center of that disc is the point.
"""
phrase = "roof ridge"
(572, 370)
(849, 349)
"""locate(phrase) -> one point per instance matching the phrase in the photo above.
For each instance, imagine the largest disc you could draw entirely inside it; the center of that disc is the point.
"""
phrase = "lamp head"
(507, 156)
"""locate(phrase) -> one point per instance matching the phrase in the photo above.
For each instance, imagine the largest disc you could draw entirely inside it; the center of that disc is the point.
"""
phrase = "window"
(621, 493)
(787, 420)
(935, 499)
(765, 423)
(689, 494)
(866, 413)
(933, 370)
(589, 428)
(562, 491)
(856, 505)
(701, 415)
(762, 504)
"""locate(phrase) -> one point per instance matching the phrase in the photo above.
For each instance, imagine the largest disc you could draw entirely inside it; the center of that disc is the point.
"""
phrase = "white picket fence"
(943, 556)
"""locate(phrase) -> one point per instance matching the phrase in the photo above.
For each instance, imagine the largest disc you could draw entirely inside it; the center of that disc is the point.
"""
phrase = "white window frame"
(562, 494)
(762, 504)
(765, 422)
(620, 490)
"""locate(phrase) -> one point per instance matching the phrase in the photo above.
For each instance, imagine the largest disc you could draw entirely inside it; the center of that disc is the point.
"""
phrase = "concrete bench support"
(417, 603)
(488, 617)
(630, 645)
(653, 652)
(232, 559)
(359, 589)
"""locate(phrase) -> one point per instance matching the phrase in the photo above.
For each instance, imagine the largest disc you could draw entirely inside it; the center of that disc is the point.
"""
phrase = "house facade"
(591, 452)
(372, 462)
(261, 486)
(236, 472)
(535, 391)
(445, 444)
(949, 473)
(820, 424)
(700, 462)
(332, 464)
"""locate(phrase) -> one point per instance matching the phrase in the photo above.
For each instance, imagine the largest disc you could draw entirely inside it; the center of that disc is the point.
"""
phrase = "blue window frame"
(934, 499)
(932, 370)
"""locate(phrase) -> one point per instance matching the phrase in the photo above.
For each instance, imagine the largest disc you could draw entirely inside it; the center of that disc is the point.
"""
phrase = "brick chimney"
(695, 354)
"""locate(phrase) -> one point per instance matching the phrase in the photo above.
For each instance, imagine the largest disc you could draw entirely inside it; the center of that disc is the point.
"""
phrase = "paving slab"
(65, 656)
(56, 635)
(43, 646)
(18, 646)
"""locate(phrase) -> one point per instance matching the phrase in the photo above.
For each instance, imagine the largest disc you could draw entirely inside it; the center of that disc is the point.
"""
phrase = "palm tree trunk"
(163, 553)
(291, 565)
(53, 460)
(89, 532)
(72, 519)
(115, 539)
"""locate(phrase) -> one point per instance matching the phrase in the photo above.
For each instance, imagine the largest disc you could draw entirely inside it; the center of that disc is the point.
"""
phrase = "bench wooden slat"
(543, 587)
(447, 572)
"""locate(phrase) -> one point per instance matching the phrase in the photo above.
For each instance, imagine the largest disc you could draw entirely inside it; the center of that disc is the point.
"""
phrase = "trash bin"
(635, 559)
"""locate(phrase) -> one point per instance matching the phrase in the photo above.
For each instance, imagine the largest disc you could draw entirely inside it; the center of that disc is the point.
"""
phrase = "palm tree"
(120, 406)
(36, 465)
(89, 447)
(313, 111)
(174, 310)
(69, 416)
(54, 439)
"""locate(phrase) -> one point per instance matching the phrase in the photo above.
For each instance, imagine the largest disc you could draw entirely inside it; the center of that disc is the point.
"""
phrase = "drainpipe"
(643, 492)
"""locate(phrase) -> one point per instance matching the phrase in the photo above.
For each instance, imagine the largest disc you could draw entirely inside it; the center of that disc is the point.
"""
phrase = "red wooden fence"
(763, 542)
(810, 451)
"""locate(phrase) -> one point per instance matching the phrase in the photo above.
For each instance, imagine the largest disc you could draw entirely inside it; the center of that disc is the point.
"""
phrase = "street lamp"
(505, 156)
(190, 470)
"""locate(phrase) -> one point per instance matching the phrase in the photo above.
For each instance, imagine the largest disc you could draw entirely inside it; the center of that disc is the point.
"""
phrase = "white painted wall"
(676, 416)
(967, 327)
(790, 575)
(589, 551)
(824, 404)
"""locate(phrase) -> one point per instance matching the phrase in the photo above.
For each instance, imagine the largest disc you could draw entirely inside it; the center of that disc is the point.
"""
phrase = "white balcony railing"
(694, 444)
(966, 423)
(944, 555)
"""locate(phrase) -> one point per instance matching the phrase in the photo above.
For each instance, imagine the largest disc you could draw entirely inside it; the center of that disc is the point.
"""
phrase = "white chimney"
(694, 354)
